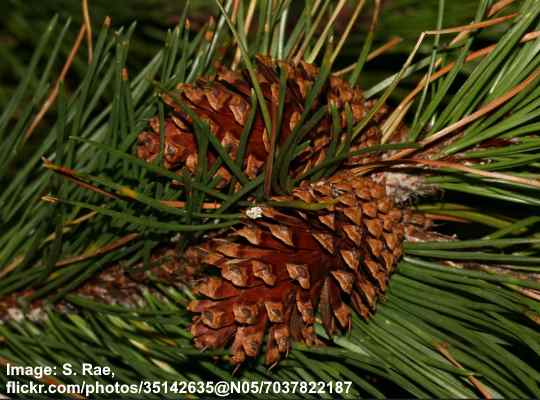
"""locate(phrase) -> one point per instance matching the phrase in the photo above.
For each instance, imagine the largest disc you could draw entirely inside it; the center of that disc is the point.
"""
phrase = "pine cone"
(223, 101)
(277, 270)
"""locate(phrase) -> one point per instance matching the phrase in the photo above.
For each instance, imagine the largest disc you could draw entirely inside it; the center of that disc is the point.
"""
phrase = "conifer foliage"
(242, 195)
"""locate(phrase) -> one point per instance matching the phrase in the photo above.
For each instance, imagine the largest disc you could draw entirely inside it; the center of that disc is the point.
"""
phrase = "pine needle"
(494, 104)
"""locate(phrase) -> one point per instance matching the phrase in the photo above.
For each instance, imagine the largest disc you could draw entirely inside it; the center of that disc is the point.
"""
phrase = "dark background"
(22, 22)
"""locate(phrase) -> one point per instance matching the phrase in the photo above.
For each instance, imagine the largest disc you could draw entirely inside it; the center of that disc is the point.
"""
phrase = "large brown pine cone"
(282, 266)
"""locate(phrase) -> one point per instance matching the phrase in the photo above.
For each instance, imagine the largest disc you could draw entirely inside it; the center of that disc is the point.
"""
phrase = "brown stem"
(443, 349)
(88, 25)
(54, 92)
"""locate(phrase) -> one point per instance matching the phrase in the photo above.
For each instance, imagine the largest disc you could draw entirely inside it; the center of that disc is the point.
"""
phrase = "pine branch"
(460, 317)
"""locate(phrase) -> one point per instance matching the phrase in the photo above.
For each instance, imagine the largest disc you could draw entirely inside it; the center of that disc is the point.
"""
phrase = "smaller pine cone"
(278, 269)
(223, 102)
